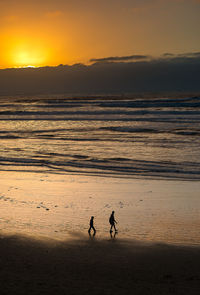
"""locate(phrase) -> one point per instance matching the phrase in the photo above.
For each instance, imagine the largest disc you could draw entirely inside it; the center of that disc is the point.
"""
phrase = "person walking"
(112, 222)
(92, 225)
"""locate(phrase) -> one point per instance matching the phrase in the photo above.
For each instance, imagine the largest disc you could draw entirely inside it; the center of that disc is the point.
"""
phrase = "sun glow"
(26, 58)
(29, 66)
(26, 52)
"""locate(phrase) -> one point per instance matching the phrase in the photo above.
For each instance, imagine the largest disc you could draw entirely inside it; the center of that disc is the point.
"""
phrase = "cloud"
(190, 54)
(120, 58)
(168, 73)
(138, 58)
(181, 55)
(168, 54)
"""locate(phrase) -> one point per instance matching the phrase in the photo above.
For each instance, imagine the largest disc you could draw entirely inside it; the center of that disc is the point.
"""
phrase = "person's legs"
(115, 227)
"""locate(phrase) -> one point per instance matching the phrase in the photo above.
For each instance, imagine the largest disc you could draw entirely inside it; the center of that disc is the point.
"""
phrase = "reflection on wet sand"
(113, 234)
(56, 206)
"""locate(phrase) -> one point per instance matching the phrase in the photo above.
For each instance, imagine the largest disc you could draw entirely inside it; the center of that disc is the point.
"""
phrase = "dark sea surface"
(156, 138)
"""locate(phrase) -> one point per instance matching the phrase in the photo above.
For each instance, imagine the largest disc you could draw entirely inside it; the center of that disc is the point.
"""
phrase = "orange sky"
(63, 31)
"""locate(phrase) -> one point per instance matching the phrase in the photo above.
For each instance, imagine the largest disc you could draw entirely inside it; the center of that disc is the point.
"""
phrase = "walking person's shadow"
(92, 236)
(113, 235)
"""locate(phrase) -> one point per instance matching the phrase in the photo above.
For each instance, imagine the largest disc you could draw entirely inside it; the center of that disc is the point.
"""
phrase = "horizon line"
(113, 59)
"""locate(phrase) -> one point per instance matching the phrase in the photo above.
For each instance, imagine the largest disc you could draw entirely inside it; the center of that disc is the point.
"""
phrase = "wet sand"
(92, 266)
(53, 206)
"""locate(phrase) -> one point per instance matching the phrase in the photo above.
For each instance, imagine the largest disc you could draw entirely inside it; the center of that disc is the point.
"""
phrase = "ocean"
(150, 137)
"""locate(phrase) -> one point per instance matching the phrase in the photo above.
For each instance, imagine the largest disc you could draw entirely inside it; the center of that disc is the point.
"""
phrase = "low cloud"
(181, 55)
(168, 54)
(190, 54)
(120, 58)
(114, 75)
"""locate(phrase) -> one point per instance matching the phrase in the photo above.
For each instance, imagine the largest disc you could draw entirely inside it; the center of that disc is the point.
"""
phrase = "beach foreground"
(54, 206)
(90, 266)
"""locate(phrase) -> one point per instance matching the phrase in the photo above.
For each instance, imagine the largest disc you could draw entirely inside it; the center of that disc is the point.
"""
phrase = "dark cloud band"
(169, 73)
(120, 58)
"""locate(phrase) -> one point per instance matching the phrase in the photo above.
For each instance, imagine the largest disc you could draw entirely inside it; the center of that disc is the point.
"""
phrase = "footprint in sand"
(121, 204)
(42, 206)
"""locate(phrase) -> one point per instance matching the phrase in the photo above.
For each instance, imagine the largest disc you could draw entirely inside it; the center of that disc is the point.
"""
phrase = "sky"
(48, 32)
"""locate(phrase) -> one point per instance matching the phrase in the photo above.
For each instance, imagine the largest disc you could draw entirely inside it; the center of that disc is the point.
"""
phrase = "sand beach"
(90, 266)
(50, 252)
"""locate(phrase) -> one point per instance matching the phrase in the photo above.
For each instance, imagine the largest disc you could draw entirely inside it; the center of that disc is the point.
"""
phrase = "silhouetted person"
(92, 225)
(112, 221)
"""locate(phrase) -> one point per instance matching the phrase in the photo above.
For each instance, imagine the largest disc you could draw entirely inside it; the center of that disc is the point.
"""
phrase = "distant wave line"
(185, 170)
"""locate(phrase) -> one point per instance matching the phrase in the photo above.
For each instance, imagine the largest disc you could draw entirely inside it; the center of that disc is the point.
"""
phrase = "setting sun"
(22, 51)
(26, 54)
(25, 58)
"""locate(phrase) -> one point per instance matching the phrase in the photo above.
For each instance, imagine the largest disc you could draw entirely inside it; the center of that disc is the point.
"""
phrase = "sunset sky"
(50, 32)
